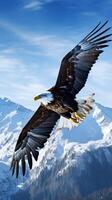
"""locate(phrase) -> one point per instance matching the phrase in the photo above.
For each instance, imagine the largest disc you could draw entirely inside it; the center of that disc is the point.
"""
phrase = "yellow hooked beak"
(37, 97)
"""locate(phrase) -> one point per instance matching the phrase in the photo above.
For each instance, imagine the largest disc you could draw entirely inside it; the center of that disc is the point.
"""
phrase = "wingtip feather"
(23, 165)
(17, 169)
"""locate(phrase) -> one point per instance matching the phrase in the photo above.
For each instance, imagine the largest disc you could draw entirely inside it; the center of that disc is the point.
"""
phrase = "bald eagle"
(61, 100)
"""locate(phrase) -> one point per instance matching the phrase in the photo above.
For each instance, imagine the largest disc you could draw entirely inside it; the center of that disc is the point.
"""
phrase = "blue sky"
(34, 37)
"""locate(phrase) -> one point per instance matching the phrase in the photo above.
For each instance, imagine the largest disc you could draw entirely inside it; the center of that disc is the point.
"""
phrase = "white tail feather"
(84, 108)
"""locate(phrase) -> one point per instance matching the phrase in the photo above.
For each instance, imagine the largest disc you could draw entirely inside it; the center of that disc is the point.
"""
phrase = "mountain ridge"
(66, 155)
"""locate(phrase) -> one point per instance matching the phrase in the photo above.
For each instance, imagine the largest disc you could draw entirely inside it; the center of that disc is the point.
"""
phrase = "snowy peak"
(12, 118)
(103, 117)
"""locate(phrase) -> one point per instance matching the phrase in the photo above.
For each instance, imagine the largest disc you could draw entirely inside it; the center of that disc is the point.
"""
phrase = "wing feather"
(77, 64)
(32, 138)
(23, 164)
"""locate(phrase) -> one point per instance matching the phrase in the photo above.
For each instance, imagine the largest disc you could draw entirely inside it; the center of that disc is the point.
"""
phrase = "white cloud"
(36, 4)
(50, 45)
(8, 64)
(102, 73)
(7, 51)
(33, 5)
(17, 82)
(90, 14)
(25, 93)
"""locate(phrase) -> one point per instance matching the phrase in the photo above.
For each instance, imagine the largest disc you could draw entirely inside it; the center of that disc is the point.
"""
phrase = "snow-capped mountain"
(73, 170)
(12, 119)
(73, 164)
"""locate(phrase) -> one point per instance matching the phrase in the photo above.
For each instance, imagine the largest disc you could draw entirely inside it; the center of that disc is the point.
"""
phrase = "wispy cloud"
(8, 64)
(50, 45)
(90, 13)
(7, 51)
(36, 4)
(17, 82)
(33, 5)
(101, 74)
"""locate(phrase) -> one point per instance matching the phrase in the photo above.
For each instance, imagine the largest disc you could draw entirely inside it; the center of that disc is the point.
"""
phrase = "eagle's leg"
(72, 106)
(84, 108)
(78, 110)
(69, 116)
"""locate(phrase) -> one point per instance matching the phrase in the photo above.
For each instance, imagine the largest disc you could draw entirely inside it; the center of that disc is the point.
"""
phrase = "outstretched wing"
(32, 138)
(76, 65)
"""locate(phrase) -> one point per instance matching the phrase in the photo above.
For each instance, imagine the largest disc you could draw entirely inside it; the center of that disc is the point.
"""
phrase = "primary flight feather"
(61, 100)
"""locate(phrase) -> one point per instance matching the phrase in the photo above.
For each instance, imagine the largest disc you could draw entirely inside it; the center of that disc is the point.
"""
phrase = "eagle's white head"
(44, 98)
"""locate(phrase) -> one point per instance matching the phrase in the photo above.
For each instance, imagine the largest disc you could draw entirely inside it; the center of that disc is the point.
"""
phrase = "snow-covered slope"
(72, 163)
(12, 119)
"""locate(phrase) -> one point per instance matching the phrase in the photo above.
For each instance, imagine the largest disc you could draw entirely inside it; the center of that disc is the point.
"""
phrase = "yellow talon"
(73, 120)
(79, 116)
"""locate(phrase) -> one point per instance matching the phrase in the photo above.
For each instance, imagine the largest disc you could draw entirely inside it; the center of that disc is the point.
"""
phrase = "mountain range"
(75, 164)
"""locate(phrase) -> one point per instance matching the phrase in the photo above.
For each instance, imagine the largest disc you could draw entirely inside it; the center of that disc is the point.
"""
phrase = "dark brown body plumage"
(63, 103)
